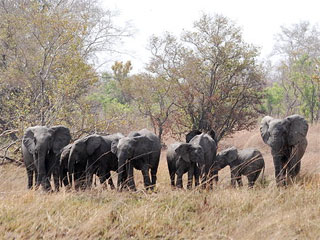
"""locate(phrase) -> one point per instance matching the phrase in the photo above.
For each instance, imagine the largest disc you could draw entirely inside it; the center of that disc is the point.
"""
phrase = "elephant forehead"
(276, 123)
(124, 141)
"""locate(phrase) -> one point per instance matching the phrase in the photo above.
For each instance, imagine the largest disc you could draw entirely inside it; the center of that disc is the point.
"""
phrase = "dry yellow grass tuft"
(224, 213)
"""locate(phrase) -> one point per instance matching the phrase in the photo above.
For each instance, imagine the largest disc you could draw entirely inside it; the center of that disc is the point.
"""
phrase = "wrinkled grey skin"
(193, 133)
(205, 164)
(40, 147)
(248, 162)
(92, 155)
(182, 158)
(139, 150)
(287, 139)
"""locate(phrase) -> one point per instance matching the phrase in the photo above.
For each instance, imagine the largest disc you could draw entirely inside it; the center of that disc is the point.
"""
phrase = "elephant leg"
(154, 177)
(79, 178)
(190, 177)
(89, 175)
(293, 168)
(179, 178)
(146, 177)
(129, 169)
(172, 174)
(56, 174)
(121, 178)
(30, 177)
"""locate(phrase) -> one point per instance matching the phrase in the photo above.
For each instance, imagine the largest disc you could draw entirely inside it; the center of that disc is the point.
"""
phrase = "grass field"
(264, 212)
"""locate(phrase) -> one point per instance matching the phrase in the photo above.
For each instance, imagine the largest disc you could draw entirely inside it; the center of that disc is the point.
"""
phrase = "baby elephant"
(248, 162)
(181, 158)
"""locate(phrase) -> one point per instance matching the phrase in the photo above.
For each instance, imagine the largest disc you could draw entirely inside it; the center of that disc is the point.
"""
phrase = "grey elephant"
(139, 150)
(248, 162)
(40, 147)
(182, 158)
(287, 139)
(205, 162)
(92, 155)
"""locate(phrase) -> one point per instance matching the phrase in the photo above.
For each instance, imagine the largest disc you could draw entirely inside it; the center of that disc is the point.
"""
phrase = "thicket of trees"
(45, 73)
(296, 76)
(208, 77)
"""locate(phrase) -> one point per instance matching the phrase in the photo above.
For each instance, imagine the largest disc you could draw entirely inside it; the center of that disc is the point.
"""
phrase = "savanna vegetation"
(209, 77)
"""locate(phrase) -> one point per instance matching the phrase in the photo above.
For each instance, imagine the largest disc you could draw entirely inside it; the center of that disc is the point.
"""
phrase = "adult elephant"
(287, 139)
(92, 155)
(140, 150)
(40, 147)
(209, 149)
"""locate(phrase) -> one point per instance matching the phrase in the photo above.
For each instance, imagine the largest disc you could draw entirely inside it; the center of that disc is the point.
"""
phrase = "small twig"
(11, 160)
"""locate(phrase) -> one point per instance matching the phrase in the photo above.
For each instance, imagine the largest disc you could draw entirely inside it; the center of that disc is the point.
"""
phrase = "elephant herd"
(47, 152)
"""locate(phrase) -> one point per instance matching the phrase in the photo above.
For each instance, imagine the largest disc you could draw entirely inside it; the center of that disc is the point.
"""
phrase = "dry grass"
(224, 213)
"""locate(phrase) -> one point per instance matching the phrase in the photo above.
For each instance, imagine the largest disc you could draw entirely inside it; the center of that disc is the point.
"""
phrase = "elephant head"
(279, 133)
(82, 149)
(191, 154)
(225, 157)
(45, 143)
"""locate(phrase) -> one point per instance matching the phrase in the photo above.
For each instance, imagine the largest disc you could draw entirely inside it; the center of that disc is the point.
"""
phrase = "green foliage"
(274, 97)
(298, 78)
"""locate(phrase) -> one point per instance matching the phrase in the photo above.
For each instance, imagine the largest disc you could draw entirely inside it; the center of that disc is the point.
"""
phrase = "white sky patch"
(260, 20)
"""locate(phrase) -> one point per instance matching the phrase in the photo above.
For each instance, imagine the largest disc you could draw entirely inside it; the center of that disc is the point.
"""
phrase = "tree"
(47, 51)
(155, 99)
(299, 49)
(214, 74)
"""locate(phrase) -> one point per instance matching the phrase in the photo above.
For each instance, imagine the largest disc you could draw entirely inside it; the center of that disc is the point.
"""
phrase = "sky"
(260, 20)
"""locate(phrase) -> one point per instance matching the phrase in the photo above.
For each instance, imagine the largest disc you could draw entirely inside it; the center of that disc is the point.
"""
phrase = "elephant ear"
(264, 128)
(231, 154)
(297, 130)
(60, 138)
(191, 134)
(28, 140)
(184, 150)
(93, 142)
(213, 135)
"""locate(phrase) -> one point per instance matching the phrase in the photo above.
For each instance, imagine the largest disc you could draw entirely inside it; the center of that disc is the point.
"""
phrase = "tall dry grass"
(224, 213)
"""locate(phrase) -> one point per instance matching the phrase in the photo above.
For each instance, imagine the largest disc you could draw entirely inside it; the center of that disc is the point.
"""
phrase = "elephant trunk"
(71, 163)
(40, 159)
(121, 170)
